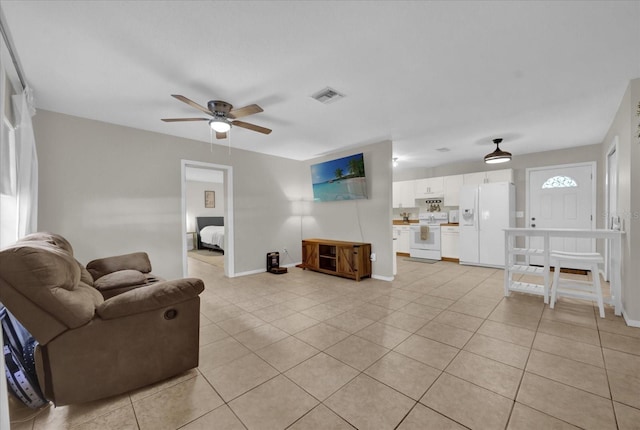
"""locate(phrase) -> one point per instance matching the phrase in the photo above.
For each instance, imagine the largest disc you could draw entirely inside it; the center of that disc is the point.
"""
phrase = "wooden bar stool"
(589, 290)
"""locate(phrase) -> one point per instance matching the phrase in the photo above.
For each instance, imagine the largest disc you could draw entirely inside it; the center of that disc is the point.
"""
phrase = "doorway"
(226, 199)
(561, 196)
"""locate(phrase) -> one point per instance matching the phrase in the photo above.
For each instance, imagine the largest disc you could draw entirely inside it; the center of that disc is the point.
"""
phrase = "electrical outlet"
(373, 256)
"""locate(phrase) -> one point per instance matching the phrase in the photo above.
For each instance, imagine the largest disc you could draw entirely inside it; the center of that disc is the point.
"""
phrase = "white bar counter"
(614, 237)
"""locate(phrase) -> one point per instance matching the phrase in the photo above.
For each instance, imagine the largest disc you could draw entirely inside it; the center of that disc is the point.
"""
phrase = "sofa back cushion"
(48, 276)
(135, 261)
(51, 238)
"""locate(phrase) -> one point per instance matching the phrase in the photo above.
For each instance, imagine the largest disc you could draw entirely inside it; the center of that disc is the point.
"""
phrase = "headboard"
(202, 222)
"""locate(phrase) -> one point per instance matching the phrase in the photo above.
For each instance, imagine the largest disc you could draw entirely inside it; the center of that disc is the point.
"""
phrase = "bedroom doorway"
(207, 194)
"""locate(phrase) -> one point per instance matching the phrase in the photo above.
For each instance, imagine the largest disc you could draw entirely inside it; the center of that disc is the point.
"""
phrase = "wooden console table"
(347, 259)
(512, 266)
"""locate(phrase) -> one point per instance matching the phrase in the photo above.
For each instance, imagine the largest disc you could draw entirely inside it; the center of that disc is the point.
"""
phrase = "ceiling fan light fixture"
(497, 156)
(220, 125)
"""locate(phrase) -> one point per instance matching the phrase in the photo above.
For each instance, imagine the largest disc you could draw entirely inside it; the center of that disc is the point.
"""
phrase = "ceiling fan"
(224, 116)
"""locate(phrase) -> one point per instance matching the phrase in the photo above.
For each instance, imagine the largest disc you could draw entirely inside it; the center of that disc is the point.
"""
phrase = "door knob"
(533, 225)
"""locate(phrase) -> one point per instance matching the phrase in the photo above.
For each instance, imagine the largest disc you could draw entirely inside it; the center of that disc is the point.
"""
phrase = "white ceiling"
(427, 75)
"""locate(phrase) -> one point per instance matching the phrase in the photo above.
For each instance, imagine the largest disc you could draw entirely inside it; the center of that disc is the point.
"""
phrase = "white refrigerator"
(485, 210)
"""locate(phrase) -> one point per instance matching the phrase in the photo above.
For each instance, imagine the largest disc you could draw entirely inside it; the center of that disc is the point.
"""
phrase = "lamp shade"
(220, 125)
(497, 156)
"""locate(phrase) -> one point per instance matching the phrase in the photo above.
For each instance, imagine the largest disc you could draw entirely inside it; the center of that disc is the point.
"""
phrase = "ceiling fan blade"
(221, 135)
(192, 103)
(244, 111)
(253, 127)
(184, 119)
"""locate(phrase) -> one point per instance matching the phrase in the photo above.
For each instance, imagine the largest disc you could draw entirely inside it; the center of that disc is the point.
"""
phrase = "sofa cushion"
(51, 238)
(135, 261)
(85, 276)
(91, 294)
(155, 296)
(48, 276)
(119, 279)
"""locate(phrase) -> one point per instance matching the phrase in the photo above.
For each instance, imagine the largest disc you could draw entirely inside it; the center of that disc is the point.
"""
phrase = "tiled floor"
(438, 348)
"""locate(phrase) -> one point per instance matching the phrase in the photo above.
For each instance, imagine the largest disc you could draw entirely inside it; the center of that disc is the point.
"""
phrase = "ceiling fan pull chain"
(229, 140)
(211, 140)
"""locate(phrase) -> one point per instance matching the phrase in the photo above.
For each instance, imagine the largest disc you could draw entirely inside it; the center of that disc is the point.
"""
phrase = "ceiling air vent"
(443, 149)
(327, 95)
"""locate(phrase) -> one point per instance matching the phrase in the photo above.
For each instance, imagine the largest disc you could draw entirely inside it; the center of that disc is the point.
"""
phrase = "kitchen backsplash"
(413, 212)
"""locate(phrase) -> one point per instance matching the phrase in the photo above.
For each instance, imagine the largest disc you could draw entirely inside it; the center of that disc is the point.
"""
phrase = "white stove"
(425, 236)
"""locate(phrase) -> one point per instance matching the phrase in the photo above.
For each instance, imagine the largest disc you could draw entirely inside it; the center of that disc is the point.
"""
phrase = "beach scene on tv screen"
(340, 179)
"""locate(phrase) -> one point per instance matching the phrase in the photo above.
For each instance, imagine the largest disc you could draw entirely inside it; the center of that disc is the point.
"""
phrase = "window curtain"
(26, 163)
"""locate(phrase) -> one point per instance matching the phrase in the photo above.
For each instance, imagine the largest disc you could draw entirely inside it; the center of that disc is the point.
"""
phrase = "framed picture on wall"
(209, 199)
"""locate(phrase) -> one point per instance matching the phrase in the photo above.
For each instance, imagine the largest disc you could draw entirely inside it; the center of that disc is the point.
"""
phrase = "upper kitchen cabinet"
(504, 175)
(451, 186)
(404, 194)
(429, 187)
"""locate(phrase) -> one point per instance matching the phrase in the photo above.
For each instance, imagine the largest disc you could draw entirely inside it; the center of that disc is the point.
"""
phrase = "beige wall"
(111, 190)
(366, 220)
(625, 127)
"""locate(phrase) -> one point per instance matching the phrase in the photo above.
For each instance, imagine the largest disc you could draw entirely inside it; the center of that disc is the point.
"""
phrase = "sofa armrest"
(135, 261)
(120, 279)
(153, 297)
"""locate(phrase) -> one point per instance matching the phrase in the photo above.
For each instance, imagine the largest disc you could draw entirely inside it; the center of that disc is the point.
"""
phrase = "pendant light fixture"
(497, 156)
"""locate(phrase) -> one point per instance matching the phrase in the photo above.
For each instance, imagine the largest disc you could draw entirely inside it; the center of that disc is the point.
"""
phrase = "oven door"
(432, 241)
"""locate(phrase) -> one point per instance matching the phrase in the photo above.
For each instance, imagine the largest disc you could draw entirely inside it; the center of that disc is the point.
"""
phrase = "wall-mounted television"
(340, 179)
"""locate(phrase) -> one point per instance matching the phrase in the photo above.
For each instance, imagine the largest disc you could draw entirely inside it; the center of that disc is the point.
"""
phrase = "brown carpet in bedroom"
(210, 257)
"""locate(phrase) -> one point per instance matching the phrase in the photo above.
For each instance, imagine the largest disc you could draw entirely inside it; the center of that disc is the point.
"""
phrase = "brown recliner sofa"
(90, 347)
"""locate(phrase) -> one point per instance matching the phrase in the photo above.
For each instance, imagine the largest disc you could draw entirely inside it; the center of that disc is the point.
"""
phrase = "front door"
(561, 197)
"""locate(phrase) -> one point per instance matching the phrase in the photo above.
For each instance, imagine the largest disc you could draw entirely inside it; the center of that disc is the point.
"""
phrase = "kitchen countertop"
(415, 221)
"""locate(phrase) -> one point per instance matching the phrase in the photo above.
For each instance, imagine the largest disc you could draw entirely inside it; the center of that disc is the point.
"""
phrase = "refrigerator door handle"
(477, 209)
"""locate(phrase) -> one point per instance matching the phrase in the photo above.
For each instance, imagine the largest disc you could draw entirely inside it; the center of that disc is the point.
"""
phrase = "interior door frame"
(613, 149)
(528, 171)
(229, 260)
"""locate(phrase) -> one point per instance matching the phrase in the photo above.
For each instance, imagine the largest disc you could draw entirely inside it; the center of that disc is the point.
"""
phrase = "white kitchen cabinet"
(429, 187)
(404, 194)
(504, 175)
(449, 242)
(402, 234)
(477, 178)
(451, 186)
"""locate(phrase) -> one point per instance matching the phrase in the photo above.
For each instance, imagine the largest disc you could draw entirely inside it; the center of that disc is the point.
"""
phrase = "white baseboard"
(256, 271)
(629, 321)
